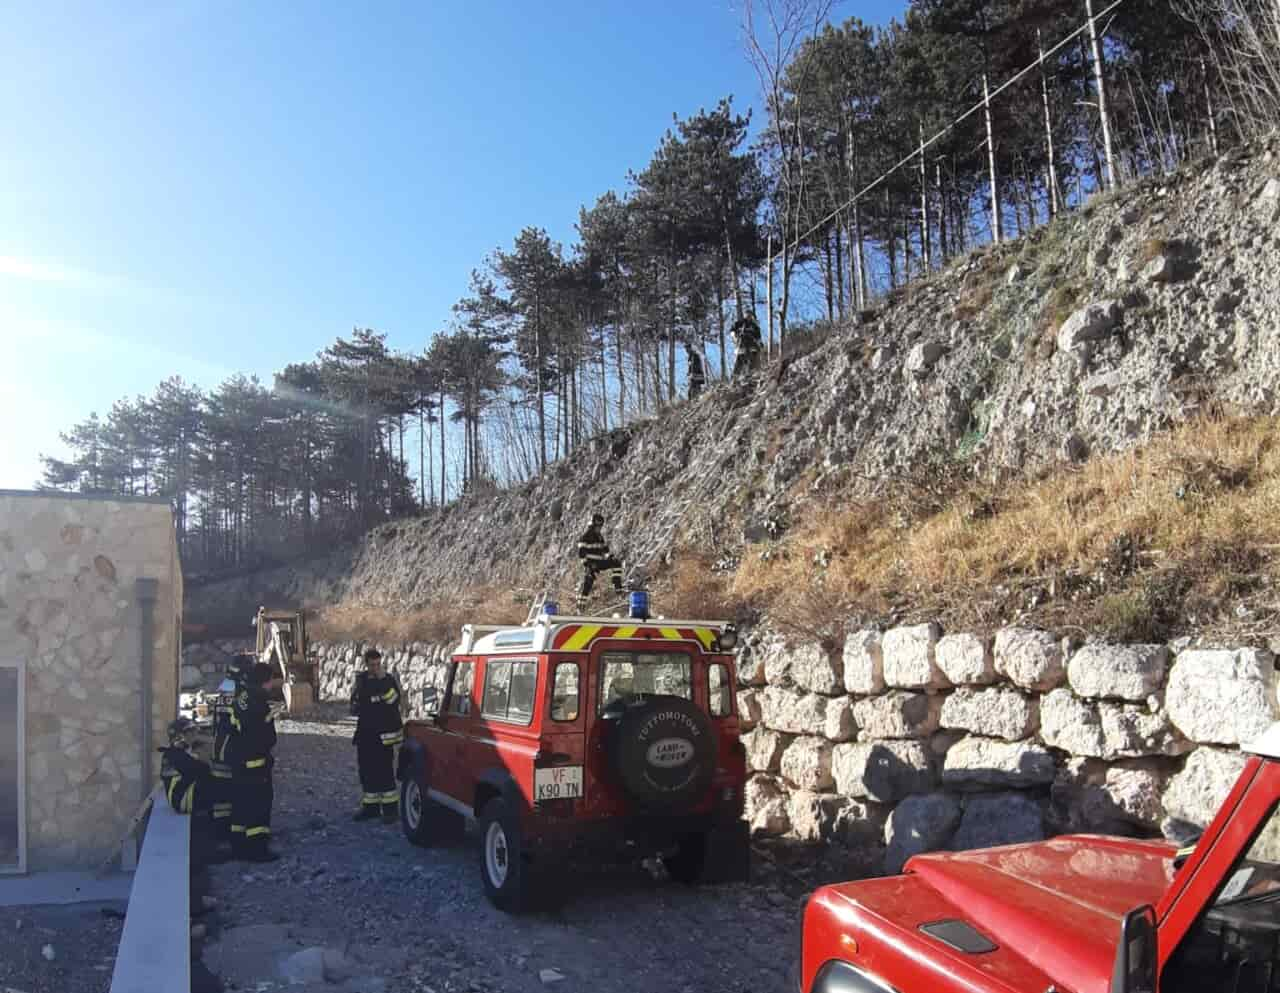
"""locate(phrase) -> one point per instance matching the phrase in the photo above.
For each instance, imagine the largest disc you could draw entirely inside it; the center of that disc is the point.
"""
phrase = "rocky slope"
(1137, 312)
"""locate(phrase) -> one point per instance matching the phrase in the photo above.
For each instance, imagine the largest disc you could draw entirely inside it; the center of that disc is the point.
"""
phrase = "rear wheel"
(686, 865)
(503, 868)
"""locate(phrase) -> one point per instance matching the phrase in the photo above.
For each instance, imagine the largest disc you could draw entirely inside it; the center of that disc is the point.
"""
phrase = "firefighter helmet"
(597, 518)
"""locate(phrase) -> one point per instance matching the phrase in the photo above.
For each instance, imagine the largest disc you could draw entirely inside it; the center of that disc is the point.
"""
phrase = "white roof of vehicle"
(540, 635)
(1268, 746)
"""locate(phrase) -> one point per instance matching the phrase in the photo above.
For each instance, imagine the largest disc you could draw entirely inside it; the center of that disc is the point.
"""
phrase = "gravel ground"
(83, 938)
(399, 918)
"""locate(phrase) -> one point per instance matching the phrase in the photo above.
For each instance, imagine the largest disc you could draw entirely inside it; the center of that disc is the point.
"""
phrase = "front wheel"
(415, 813)
(503, 868)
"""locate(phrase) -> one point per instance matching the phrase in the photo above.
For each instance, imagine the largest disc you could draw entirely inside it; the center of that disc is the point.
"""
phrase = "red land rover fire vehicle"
(583, 729)
(1079, 914)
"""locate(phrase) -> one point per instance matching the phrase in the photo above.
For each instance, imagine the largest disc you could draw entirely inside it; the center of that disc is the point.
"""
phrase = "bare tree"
(773, 36)
(1244, 36)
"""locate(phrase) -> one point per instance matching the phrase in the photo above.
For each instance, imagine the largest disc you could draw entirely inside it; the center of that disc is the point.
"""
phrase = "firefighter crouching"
(189, 787)
(253, 736)
(596, 558)
(220, 761)
(376, 702)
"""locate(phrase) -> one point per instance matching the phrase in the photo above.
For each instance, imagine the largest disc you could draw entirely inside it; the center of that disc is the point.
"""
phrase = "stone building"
(90, 638)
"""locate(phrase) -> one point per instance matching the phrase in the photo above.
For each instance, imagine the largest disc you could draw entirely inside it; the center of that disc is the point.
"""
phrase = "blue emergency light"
(639, 605)
(550, 608)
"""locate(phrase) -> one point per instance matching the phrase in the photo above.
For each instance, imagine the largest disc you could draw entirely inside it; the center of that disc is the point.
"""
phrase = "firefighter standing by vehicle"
(747, 345)
(596, 558)
(189, 787)
(376, 702)
(253, 736)
(220, 761)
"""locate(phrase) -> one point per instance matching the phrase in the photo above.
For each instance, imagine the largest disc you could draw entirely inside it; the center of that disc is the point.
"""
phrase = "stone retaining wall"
(909, 740)
(917, 740)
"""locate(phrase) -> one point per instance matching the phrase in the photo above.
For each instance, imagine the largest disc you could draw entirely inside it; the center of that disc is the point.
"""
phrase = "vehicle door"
(559, 773)
(448, 742)
(721, 705)
(505, 741)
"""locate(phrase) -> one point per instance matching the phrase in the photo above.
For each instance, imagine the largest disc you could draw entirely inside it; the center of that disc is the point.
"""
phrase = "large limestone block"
(748, 709)
(826, 818)
(815, 669)
(1029, 658)
(750, 665)
(777, 662)
(1222, 697)
(1097, 320)
(884, 771)
(864, 663)
(806, 764)
(767, 810)
(1195, 794)
(840, 724)
(909, 661)
(898, 714)
(1121, 672)
(1106, 730)
(764, 749)
(795, 713)
(998, 819)
(1135, 789)
(985, 763)
(995, 713)
(919, 824)
(965, 659)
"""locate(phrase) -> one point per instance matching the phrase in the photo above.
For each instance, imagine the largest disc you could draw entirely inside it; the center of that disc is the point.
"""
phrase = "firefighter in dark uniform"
(253, 736)
(697, 374)
(596, 558)
(220, 761)
(747, 345)
(189, 787)
(376, 701)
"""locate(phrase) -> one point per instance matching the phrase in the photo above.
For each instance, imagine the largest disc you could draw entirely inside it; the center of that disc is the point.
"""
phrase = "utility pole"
(1100, 81)
(996, 234)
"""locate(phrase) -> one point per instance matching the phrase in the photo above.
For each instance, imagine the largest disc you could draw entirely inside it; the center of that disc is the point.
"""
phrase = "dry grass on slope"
(1173, 536)
(439, 623)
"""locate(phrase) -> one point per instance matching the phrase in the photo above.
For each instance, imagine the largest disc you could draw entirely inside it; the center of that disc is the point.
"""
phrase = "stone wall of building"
(911, 740)
(71, 610)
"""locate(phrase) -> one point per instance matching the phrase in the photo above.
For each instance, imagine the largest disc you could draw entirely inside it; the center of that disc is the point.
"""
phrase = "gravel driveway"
(398, 918)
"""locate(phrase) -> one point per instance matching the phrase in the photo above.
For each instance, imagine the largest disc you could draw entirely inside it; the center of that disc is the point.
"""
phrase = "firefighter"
(376, 702)
(220, 761)
(596, 558)
(253, 736)
(697, 374)
(747, 345)
(189, 787)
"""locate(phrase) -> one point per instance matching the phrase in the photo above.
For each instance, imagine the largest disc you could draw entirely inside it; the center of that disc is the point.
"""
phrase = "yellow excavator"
(282, 642)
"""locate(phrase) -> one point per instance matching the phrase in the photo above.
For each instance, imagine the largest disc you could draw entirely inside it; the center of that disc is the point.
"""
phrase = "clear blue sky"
(199, 189)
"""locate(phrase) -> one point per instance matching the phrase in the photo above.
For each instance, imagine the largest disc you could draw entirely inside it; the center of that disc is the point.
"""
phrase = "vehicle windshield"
(635, 675)
(1258, 872)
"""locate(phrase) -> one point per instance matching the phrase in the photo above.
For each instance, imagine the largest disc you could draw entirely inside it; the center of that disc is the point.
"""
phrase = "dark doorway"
(11, 854)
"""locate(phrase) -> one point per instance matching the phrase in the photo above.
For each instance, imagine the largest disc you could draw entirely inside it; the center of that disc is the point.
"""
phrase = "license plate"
(561, 783)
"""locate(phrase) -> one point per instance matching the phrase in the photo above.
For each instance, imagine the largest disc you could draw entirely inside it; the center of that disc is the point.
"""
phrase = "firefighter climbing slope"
(376, 702)
(596, 558)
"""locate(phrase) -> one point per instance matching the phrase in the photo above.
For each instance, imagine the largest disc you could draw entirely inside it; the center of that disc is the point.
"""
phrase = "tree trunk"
(768, 291)
(996, 235)
(604, 381)
(943, 246)
(1101, 84)
(827, 274)
(443, 470)
(1055, 199)
(724, 372)
(892, 248)
(926, 249)
(1212, 114)
(838, 234)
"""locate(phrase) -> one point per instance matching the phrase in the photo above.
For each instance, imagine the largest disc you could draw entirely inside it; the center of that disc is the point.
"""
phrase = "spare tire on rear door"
(663, 751)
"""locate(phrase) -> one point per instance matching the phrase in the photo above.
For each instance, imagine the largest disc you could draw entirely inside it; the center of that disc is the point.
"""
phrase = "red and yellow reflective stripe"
(578, 637)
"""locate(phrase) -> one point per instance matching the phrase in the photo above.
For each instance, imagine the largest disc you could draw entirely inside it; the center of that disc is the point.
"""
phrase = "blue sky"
(199, 189)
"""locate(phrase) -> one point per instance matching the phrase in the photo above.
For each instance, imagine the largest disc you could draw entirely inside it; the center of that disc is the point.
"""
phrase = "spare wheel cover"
(665, 753)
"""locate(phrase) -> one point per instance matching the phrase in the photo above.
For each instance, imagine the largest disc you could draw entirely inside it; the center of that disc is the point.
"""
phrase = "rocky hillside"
(1142, 310)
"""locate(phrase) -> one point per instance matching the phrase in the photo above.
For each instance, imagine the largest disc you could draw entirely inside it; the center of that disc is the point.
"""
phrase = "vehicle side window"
(463, 682)
(509, 690)
(564, 692)
(719, 698)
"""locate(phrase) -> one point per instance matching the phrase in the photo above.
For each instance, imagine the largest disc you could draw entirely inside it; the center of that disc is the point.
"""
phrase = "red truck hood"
(1053, 908)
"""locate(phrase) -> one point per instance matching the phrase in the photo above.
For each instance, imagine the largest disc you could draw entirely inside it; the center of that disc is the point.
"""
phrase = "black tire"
(504, 870)
(663, 752)
(416, 820)
(690, 858)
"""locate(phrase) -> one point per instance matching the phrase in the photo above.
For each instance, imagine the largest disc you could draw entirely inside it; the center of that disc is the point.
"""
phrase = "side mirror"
(1135, 969)
(431, 701)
